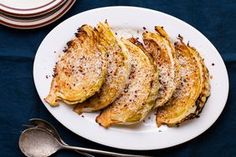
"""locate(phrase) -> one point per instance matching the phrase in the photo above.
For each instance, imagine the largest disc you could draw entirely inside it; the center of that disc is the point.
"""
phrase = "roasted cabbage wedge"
(80, 71)
(139, 96)
(191, 94)
(118, 71)
(162, 50)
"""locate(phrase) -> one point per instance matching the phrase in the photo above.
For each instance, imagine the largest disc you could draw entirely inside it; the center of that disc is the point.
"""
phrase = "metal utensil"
(38, 142)
(38, 122)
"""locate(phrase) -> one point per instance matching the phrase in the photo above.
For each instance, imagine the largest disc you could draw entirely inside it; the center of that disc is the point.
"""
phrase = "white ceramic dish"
(26, 8)
(38, 21)
(129, 21)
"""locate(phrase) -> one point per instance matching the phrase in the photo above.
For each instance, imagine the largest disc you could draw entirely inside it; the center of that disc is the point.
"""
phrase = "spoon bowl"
(36, 142)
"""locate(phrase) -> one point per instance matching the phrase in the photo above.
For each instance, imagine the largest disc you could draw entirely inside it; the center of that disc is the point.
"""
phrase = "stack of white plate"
(29, 14)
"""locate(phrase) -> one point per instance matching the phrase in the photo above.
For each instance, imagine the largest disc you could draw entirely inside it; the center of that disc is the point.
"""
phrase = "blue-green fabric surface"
(20, 101)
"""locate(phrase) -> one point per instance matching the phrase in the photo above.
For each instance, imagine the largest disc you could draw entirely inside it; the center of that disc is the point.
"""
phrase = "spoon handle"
(100, 151)
(80, 152)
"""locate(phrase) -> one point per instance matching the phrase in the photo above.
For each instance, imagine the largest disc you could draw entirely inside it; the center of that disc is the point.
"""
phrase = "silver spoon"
(37, 142)
(37, 122)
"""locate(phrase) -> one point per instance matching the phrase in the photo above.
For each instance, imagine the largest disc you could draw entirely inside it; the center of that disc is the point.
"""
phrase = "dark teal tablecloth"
(20, 101)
